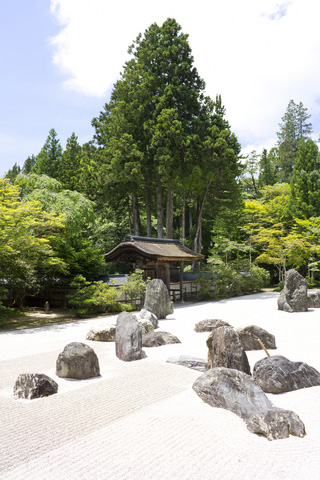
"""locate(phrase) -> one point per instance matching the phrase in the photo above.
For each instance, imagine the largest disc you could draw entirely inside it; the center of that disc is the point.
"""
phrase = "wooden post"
(181, 281)
(167, 276)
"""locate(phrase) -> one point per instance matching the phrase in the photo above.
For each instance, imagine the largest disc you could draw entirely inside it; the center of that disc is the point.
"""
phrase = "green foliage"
(232, 281)
(74, 245)
(48, 161)
(95, 297)
(135, 286)
(27, 259)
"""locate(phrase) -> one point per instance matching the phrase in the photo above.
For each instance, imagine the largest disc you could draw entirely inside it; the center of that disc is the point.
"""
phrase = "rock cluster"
(236, 391)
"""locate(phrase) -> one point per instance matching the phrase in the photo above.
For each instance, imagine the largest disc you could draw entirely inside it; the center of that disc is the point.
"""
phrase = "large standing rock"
(77, 360)
(277, 374)
(250, 336)
(128, 338)
(104, 331)
(157, 299)
(294, 295)
(34, 385)
(225, 350)
(236, 391)
(156, 339)
(210, 324)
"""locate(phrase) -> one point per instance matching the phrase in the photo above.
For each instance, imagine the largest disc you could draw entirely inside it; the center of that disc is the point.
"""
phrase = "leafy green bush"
(238, 279)
(96, 297)
(135, 286)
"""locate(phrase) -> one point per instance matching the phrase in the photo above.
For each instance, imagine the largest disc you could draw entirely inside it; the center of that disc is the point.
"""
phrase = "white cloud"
(257, 54)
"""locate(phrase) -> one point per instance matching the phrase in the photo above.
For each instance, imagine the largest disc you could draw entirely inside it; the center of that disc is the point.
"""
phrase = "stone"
(210, 324)
(146, 315)
(294, 295)
(104, 331)
(77, 360)
(314, 299)
(190, 362)
(225, 350)
(250, 335)
(277, 374)
(147, 320)
(157, 299)
(237, 392)
(128, 338)
(156, 339)
(34, 385)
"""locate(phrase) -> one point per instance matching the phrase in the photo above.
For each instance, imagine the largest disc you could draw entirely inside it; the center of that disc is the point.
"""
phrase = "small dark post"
(181, 281)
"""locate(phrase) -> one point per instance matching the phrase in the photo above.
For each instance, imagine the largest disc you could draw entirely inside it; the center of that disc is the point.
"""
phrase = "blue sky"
(60, 58)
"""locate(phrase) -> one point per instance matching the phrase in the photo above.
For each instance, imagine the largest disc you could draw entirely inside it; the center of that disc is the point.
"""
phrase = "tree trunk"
(129, 215)
(159, 208)
(148, 212)
(135, 216)
(183, 219)
(169, 219)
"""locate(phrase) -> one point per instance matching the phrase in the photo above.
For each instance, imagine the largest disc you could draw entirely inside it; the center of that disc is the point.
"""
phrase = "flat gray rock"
(236, 391)
(210, 324)
(156, 339)
(277, 374)
(189, 362)
(104, 331)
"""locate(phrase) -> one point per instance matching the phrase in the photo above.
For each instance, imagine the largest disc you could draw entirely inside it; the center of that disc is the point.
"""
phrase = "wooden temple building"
(155, 256)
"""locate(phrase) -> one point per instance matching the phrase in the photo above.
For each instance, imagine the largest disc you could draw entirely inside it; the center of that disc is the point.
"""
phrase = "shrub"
(236, 279)
(135, 286)
(97, 297)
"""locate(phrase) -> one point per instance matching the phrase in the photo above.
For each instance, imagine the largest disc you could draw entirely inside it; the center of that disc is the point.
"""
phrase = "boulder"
(236, 391)
(104, 331)
(250, 336)
(314, 299)
(277, 374)
(147, 320)
(146, 315)
(156, 339)
(128, 338)
(225, 350)
(157, 299)
(79, 361)
(190, 362)
(294, 295)
(34, 385)
(210, 324)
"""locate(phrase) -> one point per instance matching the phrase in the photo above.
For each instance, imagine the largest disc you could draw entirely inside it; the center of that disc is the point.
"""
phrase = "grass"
(35, 318)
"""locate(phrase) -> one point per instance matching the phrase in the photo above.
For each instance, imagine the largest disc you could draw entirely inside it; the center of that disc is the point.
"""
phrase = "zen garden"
(147, 275)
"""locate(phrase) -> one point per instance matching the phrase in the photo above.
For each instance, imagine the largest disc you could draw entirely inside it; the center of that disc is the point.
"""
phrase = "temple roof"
(161, 249)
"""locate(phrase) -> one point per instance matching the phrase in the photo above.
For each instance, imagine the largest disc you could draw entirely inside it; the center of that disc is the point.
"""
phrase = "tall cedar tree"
(159, 133)
(293, 128)
(305, 183)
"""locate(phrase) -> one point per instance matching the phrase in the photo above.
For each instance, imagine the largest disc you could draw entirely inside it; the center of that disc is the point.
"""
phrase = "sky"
(60, 59)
